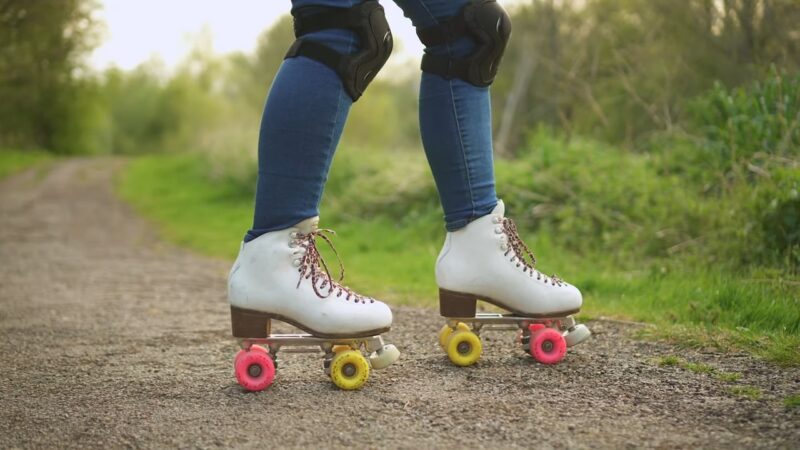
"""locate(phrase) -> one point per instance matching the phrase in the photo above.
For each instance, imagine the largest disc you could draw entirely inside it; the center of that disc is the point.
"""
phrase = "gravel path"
(111, 338)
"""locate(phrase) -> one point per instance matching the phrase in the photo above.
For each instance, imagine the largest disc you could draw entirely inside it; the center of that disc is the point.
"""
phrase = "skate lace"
(313, 266)
(522, 254)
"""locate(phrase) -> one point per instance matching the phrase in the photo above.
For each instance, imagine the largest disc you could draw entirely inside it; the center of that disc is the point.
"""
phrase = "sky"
(136, 31)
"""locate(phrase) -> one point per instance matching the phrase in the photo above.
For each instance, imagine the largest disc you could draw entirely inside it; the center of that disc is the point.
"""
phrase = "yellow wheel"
(464, 348)
(446, 331)
(349, 370)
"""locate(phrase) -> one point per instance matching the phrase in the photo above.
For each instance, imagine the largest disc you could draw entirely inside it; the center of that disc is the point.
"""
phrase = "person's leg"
(483, 256)
(280, 273)
(455, 123)
(303, 119)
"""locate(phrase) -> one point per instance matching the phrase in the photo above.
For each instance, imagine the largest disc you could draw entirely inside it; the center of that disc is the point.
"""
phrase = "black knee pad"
(488, 24)
(367, 20)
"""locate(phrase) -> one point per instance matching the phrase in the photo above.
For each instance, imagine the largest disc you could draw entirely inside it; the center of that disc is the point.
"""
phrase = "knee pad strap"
(368, 21)
(486, 22)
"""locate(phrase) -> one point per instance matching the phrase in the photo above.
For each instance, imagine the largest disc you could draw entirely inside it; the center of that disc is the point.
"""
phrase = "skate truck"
(544, 338)
(344, 361)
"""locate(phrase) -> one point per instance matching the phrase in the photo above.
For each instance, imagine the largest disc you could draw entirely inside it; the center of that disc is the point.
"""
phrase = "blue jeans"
(307, 107)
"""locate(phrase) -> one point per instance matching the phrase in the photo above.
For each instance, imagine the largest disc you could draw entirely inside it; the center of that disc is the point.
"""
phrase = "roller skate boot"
(281, 276)
(487, 261)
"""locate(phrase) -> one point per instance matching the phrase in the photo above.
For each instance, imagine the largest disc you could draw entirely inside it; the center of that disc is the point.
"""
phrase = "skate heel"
(247, 323)
(456, 304)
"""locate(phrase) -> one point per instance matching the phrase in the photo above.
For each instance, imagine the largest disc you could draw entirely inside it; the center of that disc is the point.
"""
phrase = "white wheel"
(384, 357)
(577, 335)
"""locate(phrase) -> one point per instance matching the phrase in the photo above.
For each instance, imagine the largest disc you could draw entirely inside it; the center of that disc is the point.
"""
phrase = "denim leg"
(303, 119)
(455, 124)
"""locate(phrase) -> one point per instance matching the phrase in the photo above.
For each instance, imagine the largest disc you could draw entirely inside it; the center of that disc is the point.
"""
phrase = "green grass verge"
(393, 259)
(13, 161)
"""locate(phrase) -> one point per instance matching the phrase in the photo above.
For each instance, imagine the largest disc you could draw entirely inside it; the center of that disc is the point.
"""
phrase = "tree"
(47, 103)
(624, 69)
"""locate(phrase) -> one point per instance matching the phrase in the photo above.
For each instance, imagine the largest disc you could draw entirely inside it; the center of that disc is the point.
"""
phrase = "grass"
(669, 361)
(698, 368)
(746, 391)
(13, 161)
(749, 392)
(792, 401)
(728, 377)
(780, 347)
(391, 255)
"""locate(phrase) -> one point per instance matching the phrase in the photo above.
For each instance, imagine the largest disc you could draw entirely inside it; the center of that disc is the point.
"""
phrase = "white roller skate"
(281, 276)
(487, 260)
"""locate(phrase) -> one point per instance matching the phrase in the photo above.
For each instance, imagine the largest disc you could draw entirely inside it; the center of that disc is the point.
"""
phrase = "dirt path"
(111, 338)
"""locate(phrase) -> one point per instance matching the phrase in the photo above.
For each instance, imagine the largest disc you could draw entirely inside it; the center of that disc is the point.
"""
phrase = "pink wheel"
(254, 370)
(253, 348)
(548, 346)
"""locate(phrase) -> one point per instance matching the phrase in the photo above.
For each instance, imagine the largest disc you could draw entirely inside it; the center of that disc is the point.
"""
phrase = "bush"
(594, 197)
(746, 157)
(777, 208)
(368, 183)
(748, 130)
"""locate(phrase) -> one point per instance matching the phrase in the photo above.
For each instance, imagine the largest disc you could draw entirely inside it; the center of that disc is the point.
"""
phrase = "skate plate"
(343, 362)
(545, 339)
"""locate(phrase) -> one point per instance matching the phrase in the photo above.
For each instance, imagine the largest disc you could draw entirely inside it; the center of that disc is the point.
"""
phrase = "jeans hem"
(457, 224)
(255, 233)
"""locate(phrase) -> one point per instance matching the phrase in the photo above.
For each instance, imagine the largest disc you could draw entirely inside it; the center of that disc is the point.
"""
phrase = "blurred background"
(649, 149)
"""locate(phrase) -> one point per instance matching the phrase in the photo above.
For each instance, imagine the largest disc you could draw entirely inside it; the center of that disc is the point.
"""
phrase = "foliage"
(49, 101)
(137, 110)
(742, 149)
(748, 131)
(621, 70)
(778, 219)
